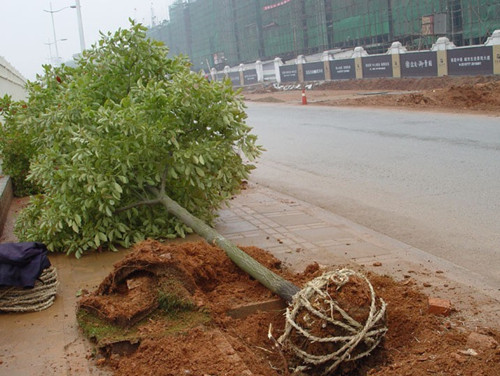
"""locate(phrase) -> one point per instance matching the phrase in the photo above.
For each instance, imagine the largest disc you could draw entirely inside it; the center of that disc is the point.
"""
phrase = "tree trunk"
(272, 281)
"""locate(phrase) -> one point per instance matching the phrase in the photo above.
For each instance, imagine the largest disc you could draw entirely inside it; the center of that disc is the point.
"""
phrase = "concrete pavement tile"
(298, 227)
(257, 232)
(296, 220)
(264, 209)
(257, 241)
(235, 227)
(270, 223)
(307, 245)
(247, 210)
(256, 222)
(323, 224)
(256, 197)
(226, 213)
(270, 231)
(322, 234)
(285, 212)
(278, 250)
(324, 257)
(234, 237)
(292, 245)
(290, 236)
(328, 243)
(359, 250)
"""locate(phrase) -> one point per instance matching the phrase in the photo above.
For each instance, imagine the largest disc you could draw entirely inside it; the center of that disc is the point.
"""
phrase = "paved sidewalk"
(49, 343)
(299, 233)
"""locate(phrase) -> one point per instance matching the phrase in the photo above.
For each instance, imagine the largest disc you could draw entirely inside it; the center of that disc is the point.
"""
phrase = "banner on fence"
(377, 66)
(314, 71)
(235, 78)
(250, 77)
(419, 64)
(289, 73)
(343, 69)
(470, 61)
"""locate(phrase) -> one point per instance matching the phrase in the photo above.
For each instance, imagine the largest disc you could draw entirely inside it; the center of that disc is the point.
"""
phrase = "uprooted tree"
(103, 134)
(130, 144)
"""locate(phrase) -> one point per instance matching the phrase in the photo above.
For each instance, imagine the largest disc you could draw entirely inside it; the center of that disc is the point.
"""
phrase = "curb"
(6, 197)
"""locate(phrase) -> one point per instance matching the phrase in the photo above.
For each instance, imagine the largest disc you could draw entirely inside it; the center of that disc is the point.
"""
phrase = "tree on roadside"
(124, 124)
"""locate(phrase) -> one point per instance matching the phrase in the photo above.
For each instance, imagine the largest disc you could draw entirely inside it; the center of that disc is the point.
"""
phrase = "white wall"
(11, 81)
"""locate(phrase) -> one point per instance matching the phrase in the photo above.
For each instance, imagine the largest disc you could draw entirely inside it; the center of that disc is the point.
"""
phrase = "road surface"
(431, 180)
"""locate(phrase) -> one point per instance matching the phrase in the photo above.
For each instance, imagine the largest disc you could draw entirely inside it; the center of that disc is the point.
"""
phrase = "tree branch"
(139, 203)
(163, 181)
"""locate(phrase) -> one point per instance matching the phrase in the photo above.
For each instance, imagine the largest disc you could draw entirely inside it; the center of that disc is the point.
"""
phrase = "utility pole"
(54, 31)
(80, 25)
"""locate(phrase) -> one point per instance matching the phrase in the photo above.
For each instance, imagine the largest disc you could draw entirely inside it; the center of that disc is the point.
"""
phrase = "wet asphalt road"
(431, 180)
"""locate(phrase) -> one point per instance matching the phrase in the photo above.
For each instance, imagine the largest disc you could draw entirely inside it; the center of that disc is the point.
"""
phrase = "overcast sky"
(27, 38)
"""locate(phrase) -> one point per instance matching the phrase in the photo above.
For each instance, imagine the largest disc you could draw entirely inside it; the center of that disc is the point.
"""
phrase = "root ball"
(336, 318)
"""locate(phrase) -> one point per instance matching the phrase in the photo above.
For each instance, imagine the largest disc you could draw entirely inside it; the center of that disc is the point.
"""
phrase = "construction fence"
(443, 59)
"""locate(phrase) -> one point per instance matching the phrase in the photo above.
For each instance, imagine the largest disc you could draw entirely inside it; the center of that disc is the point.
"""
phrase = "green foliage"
(125, 118)
(16, 148)
(24, 121)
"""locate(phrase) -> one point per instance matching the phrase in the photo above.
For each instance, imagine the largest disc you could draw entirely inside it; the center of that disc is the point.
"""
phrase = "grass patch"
(169, 323)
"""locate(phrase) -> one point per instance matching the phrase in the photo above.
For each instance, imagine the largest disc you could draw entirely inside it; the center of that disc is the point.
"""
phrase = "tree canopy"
(125, 120)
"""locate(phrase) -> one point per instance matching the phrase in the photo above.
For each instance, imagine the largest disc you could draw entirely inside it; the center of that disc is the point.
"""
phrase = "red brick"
(438, 306)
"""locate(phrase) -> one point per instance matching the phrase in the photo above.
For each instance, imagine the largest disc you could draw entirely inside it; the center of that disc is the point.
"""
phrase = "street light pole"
(51, 60)
(54, 31)
(80, 25)
(49, 43)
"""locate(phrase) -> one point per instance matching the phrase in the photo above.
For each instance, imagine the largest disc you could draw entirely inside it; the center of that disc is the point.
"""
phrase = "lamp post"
(80, 24)
(53, 26)
(54, 60)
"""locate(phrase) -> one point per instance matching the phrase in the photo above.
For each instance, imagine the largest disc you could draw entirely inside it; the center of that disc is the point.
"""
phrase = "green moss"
(104, 333)
(173, 303)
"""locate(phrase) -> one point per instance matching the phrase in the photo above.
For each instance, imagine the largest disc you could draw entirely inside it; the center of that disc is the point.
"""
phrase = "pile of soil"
(484, 97)
(465, 94)
(410, 84)
(417, 343)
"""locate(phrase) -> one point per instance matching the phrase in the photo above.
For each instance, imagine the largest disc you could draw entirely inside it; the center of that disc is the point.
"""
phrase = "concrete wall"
(13, 84)
(11, 81)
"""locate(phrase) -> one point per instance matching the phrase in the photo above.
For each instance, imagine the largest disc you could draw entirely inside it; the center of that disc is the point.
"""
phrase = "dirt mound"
(477, 96)
(407, 84)
(465, 94)
(197, 272)
(484, 97)
(269, 100)
(204, 339)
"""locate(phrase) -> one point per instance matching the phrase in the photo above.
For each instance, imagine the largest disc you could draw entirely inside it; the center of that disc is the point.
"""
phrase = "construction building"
(216, 33)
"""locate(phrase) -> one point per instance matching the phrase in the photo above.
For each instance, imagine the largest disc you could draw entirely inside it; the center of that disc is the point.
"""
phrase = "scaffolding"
(215, 33)
(177, 35)
(417, 24)
(480, 19)
(281, 29)
(360, 23)
(248, 30)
